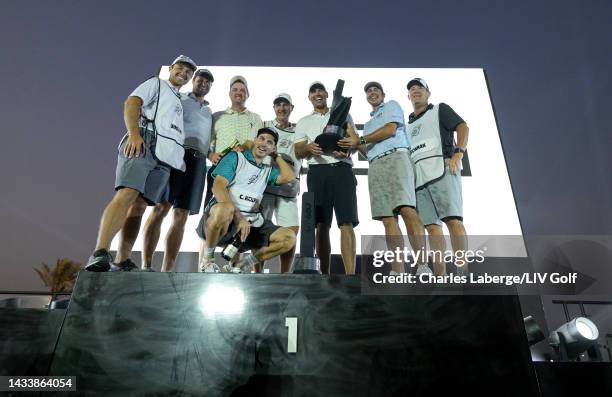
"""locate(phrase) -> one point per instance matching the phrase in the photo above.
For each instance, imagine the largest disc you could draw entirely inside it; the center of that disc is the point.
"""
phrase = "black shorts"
(334, 186)
(258, 236)
(185, 189)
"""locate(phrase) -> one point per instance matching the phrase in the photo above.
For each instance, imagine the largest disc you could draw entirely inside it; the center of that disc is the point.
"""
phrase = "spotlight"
(533, 330)
(220, 300)
(575, 337)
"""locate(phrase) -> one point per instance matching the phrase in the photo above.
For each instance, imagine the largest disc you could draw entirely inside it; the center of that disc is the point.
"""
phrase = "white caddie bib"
(285, 148)
(169, 128)
(426, 149)
(247, 189)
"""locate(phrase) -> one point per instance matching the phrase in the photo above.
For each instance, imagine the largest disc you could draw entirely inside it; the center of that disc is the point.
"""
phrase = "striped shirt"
(229, 125)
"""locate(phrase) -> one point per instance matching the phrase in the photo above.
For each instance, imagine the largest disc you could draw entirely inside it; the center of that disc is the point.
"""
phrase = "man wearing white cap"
(153, 116)
(281, 200)
(332, 180)
(184, 191)
(437, 160)
(235, 122)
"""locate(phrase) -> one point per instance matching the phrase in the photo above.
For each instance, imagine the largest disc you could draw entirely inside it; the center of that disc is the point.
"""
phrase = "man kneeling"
(239, 183)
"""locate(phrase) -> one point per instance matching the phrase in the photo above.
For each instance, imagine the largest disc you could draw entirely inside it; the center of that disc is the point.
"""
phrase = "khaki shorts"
(441, 199)
(144, 173)
(391, 184)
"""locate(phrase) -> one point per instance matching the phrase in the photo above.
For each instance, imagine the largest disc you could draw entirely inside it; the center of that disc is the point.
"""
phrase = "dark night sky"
(67, 67)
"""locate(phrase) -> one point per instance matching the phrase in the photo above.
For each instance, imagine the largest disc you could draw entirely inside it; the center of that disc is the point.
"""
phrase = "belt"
(388, 152)
(195, 153)
(336, 164)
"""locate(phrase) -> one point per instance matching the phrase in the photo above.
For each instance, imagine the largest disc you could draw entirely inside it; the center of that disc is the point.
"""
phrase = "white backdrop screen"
(489, 206)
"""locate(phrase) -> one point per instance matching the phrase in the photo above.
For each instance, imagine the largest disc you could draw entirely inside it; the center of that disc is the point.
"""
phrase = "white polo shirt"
(311, 126)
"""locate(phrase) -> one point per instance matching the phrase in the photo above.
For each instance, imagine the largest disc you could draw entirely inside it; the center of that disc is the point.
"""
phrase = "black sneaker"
(99, 261)
(125, 266)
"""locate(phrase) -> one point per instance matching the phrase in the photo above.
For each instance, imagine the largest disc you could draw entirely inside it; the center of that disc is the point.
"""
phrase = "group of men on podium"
(414, 173)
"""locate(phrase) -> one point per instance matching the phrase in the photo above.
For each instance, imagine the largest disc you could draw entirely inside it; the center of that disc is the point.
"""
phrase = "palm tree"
(61, 277)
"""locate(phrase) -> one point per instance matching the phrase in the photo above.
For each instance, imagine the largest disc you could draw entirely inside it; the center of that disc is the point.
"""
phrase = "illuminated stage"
(225, 334)
(194, 334)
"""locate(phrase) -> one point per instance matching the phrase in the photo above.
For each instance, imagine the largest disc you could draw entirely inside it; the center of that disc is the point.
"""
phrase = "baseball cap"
(316, 84)
(240, 79)
(185, 59)
(417, 81)
(270, 131)
(283, 97)
(204, 73)
(373, 84)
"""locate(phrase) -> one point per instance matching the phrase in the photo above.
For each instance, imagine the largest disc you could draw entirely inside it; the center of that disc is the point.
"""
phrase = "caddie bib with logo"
(426, 149)
(168, 127)
(285, 148)
(247, 188)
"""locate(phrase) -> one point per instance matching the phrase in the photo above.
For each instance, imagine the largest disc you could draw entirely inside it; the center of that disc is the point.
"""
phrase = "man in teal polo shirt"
(239, 183)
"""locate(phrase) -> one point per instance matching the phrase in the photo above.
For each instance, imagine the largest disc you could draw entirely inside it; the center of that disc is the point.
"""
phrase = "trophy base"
(328, 143)
(306, 265)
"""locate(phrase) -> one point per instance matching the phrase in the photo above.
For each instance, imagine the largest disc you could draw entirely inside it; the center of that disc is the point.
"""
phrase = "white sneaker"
(423, 269)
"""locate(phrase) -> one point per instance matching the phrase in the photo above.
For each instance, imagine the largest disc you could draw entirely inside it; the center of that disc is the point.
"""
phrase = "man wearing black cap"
(153, 116)
(332, 180)
(390, 175)
(437, 158)
(185, 190)
(240, 179)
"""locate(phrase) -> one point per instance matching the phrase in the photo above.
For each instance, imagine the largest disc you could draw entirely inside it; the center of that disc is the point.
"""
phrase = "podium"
(195, 334)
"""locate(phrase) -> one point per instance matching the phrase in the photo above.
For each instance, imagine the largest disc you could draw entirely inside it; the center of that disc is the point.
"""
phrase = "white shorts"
(284, 209)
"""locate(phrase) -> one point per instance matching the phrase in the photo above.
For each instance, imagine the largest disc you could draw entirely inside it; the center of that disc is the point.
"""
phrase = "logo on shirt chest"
(252, 179)
(416, 130)
(284, 143)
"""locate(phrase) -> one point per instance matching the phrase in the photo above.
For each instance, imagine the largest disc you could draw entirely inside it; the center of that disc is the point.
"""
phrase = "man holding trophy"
(390, 176)
(330, 173)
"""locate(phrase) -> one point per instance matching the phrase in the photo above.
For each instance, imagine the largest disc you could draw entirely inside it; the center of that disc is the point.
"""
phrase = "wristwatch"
(459, 150)
(362, 140)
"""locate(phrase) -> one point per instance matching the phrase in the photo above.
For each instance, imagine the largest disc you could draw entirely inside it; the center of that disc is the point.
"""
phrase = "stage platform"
(190, 334)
